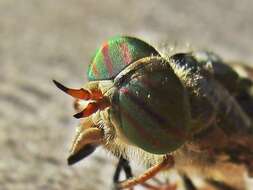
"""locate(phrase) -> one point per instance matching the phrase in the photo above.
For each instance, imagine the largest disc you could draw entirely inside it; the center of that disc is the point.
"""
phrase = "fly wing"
(240, 146)
(245, 94)
(243, 70)
(227, 142)
(232, 84)
(243, 151)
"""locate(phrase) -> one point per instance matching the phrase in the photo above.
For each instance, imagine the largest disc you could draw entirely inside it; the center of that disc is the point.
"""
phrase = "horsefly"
(187, 111)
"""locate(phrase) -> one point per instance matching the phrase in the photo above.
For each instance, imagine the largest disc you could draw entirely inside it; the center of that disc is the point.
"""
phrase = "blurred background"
(41, 40)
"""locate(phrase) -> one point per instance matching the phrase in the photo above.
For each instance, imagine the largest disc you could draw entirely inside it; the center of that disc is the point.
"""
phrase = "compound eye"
(115, 54)
(153, 106)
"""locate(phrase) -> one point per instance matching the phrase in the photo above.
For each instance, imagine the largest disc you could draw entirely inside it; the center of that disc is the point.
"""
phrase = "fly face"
(94, 101)
(139, 99)
(89, 134)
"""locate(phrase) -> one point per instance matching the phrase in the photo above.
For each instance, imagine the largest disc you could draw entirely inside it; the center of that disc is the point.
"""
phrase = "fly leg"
(122, 164)
(220, 185)
(188, 183)
(167, 162)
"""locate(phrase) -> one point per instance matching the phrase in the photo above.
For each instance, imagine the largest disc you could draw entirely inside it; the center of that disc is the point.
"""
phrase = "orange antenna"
(100, 101)
(76, 93)
(91, 108)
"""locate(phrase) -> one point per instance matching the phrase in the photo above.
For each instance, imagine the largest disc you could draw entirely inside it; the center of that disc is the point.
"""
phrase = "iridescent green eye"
(116, 54)
(151, 106)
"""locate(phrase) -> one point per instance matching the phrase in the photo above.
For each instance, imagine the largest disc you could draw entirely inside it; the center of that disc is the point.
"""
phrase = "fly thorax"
(195, 79)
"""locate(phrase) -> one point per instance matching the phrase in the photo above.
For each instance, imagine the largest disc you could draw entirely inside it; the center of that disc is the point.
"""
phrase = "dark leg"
(188, 183)
(127, 169)
(122, 164)
(167, 163)
(220, 185)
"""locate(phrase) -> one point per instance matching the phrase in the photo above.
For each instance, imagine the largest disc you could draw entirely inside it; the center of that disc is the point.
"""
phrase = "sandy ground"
(41, 40)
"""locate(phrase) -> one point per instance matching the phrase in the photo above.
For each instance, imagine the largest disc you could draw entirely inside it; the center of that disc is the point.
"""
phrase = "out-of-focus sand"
(41, 40)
